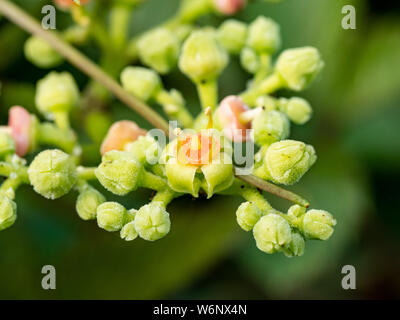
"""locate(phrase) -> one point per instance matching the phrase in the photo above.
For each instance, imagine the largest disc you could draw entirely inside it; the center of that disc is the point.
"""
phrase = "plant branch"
(274, 189)
(26, 22)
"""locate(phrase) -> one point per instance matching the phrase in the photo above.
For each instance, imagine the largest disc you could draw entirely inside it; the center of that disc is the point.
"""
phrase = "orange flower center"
(198, 149)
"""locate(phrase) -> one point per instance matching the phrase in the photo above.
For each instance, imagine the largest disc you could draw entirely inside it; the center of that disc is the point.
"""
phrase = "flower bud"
(202, 58)
(119, 134)
(264, 35)
(128, 231)
(299, 67)
(247, 215)
(152, 221)
(111, 216)
(57, 92)
(232, 35)
(297, 109)
(119, 172)
(41, 54)
(52, 173)
(159, 49)
(145, 149)
(270, 126)
(7, 144)
(229, 7)
(228, 114)
(271, 233)
(266, 102)
(287, 161)
(65, 4)
(296, 211)
(249, 60)
(8, 212)
(317, 224)
(23, 129)
(295, 248)
(141, 82)
(87, 203)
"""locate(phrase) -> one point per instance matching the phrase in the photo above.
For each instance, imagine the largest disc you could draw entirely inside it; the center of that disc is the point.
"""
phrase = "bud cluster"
(197, 160)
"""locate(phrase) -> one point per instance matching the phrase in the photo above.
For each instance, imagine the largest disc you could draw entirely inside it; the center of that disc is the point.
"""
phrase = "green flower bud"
(141, 82)
(232, 35)
(264, 35)
(317, 224)
(119, 172)
(295, 248)
(287, 161)
(270, 126)
(152, 221)
(52, 173)
(299, 67)
(297, 109)
(202, 58)
(296, 211)
(271, 233)
(7, 144)
(128, 231)
(218, 175)
(8, 212)
(159, 49)
(57, 92)
(144, 149)
(267, 103)
(111, 216)
(249, 60)
(41, 54)
(247, 215)
(87, 203)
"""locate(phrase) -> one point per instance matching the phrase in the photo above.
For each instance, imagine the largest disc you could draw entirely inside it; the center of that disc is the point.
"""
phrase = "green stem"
(85, 173)
(267, 86)
(62, 120)
(191, 10)
(165, 196)
(264, 70)
(174, 110)
(49, 134)
(273, 189)
(119, 21)
(253, 195)
(208, 93)
(153, 182)
(10, 186)
(6, 169)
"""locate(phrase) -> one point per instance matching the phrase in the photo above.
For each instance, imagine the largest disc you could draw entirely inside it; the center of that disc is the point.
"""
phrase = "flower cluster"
(198, 159)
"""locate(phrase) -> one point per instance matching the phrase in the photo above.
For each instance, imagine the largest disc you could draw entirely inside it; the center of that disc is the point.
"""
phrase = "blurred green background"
(355, 130)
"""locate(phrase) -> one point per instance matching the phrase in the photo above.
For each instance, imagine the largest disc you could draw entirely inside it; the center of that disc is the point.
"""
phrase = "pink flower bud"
(64, 4)
(20, 123)
(229, 7)
(228, 113)
(121, 133)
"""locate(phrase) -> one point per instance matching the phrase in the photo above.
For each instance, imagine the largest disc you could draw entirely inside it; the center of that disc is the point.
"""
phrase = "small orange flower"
(121, 133)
